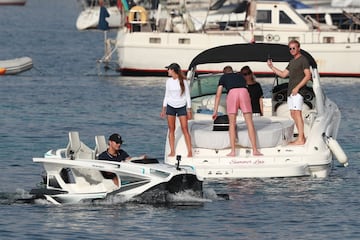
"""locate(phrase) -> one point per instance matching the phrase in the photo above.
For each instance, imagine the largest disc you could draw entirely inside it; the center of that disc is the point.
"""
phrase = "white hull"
(332, 58)
(16, 65)
(332, 49)
(274, 130)
(312, 159)
(73, 175)
(89, 18)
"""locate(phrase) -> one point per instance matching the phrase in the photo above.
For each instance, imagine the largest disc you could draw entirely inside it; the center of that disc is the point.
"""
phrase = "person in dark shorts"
(177, 102)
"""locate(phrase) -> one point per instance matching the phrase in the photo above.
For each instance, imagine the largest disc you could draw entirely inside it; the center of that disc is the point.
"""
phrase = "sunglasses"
(246, 73)
(292, 48)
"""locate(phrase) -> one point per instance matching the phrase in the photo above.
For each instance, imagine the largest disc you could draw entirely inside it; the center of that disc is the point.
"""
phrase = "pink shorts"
(238, 98)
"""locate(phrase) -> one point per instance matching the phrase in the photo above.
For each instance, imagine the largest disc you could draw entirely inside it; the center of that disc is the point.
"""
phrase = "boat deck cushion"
(269, 133)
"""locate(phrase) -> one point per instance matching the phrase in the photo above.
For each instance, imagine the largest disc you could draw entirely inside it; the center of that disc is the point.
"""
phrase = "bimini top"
(248, 52)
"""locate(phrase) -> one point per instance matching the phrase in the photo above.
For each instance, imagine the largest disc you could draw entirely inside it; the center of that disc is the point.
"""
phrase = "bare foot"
(297, 142)
(231, 154)
(171, 155)
(189, 155)
(257, 153)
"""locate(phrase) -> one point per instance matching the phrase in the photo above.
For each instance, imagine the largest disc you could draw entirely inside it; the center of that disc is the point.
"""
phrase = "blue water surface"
(63, 92)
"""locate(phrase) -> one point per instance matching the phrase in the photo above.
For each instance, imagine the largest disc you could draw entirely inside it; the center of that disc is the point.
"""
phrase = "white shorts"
(295, 102)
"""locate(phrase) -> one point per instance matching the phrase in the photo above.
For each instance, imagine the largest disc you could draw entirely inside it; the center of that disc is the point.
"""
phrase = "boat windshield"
(205, 84)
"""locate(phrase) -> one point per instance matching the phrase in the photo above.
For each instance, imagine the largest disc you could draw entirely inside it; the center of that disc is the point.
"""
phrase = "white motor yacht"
(274, 130)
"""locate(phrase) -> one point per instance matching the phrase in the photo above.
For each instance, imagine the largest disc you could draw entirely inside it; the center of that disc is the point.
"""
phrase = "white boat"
(89, 16)
(274, 130)
(73, 175)
(13, 2)
(15, 66)
(274, 22)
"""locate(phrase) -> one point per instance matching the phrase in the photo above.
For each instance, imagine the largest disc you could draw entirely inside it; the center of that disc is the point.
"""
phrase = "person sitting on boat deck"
(237, 97)
(177, 102)
(255, 91)
(299, 74)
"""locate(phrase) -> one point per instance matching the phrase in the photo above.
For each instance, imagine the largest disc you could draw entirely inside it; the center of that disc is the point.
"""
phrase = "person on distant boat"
(237, 97)
(255, 91)
(177, 102)
(299, 74)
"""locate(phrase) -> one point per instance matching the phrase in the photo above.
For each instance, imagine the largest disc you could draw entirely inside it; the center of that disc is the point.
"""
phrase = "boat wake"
(185, 198)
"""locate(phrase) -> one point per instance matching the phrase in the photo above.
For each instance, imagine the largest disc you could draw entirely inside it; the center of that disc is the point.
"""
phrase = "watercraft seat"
(270, 132)
(77, 149)
(100, 145)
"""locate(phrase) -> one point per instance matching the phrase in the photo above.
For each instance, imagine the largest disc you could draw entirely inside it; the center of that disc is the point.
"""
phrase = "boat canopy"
(249, 52)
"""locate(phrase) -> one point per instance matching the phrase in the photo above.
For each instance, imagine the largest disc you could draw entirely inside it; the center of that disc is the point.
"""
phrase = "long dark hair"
(176, 68)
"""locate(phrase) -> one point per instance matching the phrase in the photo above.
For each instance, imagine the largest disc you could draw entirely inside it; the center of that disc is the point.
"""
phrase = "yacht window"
(328, 40)
(294, 38)
(284, 18)
(184, 41)
(263, 16)
(259, 38)
(155, 40)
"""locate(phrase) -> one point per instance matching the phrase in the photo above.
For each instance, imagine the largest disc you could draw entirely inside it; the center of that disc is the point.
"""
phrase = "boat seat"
(77, 149)
(100, 145)
(269, 133)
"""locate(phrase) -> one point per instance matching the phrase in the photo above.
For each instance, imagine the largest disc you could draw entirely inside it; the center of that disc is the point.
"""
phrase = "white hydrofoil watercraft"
(73, 175)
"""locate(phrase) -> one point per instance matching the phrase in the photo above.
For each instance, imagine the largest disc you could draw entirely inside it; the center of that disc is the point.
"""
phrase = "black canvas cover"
(247, 52)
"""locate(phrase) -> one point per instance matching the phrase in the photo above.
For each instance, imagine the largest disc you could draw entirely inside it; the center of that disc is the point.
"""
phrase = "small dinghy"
(15, 66)
(74, 175)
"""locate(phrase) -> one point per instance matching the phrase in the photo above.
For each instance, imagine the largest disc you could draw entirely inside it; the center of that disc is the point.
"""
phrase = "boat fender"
(269, 37)
(276, 38)
(137, 14)
(2, 71)
(337, 151)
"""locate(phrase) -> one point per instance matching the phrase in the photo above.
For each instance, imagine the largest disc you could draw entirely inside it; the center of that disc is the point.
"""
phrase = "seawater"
(63, 92)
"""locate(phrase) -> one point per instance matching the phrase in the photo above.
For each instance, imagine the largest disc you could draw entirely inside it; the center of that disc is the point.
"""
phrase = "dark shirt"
(121, 156)
(256, 93)
(296, 69)
(232, 80)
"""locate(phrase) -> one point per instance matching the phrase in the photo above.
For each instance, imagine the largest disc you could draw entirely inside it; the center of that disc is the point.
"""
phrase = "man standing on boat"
(237, 98)
(298, 71)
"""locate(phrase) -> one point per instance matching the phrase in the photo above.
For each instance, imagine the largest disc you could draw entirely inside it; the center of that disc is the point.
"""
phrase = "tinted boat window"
(263, 16)
(285, 19)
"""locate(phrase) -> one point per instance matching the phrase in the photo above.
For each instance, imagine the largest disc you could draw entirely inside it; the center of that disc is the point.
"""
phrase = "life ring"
(2, 71)
(269, 37)
(136, 12)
